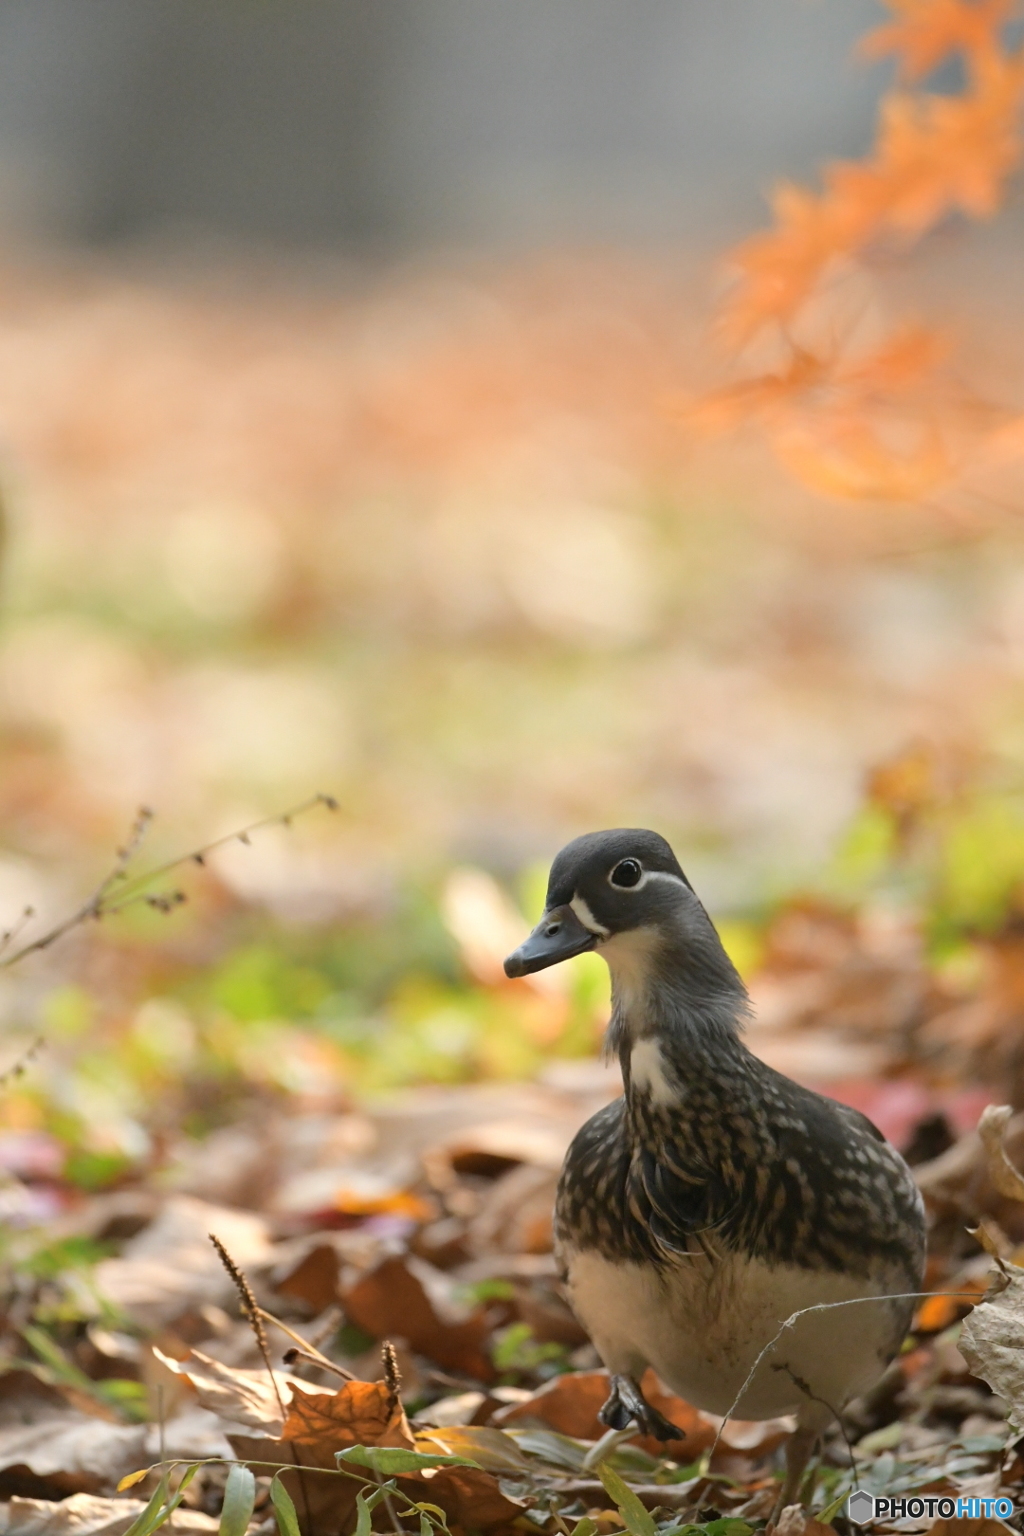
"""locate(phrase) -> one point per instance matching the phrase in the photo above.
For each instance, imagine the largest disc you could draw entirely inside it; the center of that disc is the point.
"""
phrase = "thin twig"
(330, 1322)
(305, 1357)
(116, 892)
(825, 1306)
(17, 1068)
(310, 1350)
(9, 935)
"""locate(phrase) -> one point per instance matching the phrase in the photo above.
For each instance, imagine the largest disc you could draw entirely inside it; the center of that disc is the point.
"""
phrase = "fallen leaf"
(470, 1498)
(939, 1312)
(85, 1514)
(992, 1342)
(461, 1408)
(360, 1413)
(49, 1447)
(171, 1266)
(314, 1279)
(795, 1521)
(402, 1297)
(491, 1448)
(982, 1527)
(570, 1404)
(318, 1425)
(241, 1396)
(992, 1126)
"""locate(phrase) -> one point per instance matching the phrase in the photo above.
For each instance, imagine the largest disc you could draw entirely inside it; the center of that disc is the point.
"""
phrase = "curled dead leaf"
(992, 1129)
(242, 1396)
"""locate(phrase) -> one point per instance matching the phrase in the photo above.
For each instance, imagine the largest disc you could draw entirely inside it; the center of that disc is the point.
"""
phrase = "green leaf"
(392, 1461)
(362, 1516)
(380, 1493)
(146, 1520)
(239, 1502)
(637, 1517)
(585, 1527)
(828, 1514)
(169, 1508)
(728, 1526)
(157, 1511)
(425, 1525)
(284, 1509)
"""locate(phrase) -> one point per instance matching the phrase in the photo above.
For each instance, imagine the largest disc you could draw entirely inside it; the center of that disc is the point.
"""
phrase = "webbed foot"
(626, 1404)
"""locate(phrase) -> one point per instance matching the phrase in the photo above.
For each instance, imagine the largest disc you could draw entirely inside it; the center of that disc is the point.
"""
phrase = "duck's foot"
(626, 1404)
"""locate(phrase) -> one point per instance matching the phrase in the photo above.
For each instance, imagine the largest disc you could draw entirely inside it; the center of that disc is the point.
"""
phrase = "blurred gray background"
(394, 124)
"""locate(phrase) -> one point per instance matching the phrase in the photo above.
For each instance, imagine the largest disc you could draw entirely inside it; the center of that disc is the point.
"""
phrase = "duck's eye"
(627, 872)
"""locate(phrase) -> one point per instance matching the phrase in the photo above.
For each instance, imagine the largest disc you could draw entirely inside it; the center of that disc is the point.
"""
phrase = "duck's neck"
(677, 1009)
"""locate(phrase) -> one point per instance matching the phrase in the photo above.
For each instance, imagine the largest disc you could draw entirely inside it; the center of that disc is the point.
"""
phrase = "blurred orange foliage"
(882, 420)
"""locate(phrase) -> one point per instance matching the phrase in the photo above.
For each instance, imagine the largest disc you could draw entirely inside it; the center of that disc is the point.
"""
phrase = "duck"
(758, 1244)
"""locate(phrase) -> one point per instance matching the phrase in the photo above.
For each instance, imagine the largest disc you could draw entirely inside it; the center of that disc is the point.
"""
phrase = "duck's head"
(622, 891)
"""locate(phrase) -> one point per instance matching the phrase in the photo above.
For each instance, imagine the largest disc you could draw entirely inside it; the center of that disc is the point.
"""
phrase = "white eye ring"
(630, 867)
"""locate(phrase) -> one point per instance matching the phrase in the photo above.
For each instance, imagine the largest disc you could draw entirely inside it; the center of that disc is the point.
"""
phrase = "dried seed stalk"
(252, 1314)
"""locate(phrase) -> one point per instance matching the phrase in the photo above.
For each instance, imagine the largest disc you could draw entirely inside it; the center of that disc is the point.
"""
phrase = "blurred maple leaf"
(927, 32)
(823, 414)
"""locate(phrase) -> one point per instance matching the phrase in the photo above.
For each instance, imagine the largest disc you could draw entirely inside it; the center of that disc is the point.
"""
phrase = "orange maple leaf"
(927, 32)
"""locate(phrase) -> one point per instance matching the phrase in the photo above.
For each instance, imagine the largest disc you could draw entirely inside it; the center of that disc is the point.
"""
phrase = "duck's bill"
(558, 936)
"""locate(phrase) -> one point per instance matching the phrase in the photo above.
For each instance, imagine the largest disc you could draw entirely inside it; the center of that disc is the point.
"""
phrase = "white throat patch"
(647, 1073)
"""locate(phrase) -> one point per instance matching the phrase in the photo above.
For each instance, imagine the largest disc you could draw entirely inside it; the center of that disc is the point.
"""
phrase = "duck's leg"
(799, 1449)
(626, 1403)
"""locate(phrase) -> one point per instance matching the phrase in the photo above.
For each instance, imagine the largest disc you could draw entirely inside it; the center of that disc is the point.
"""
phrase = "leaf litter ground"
(482, 1415)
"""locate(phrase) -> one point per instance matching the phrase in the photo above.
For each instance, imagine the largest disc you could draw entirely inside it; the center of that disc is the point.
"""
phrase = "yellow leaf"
(132, 1478)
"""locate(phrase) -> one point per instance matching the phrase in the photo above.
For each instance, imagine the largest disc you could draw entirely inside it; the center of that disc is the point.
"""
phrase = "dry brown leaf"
(570, 1405)
(492, 1448)
(795, 1521)
(939, 1312)
(69, 1453)
(392, 1299)
(360, 1413)
(471, 1499)
(516, 1213)
(982, 1527)
(992, 1130)
(241, 1396)
(318, 1425)
(171, 1266)
(85, 1514)
(992, 1342)
(314, 1279)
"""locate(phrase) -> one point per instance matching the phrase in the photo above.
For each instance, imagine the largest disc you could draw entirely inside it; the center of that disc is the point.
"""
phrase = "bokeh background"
(342, 353)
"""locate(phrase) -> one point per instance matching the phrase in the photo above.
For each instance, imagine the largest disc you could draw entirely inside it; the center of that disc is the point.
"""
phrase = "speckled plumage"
(743, 1160)
(716, 1198)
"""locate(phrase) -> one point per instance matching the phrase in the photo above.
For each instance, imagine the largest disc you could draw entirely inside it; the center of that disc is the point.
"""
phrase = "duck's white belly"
(704, 1322)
